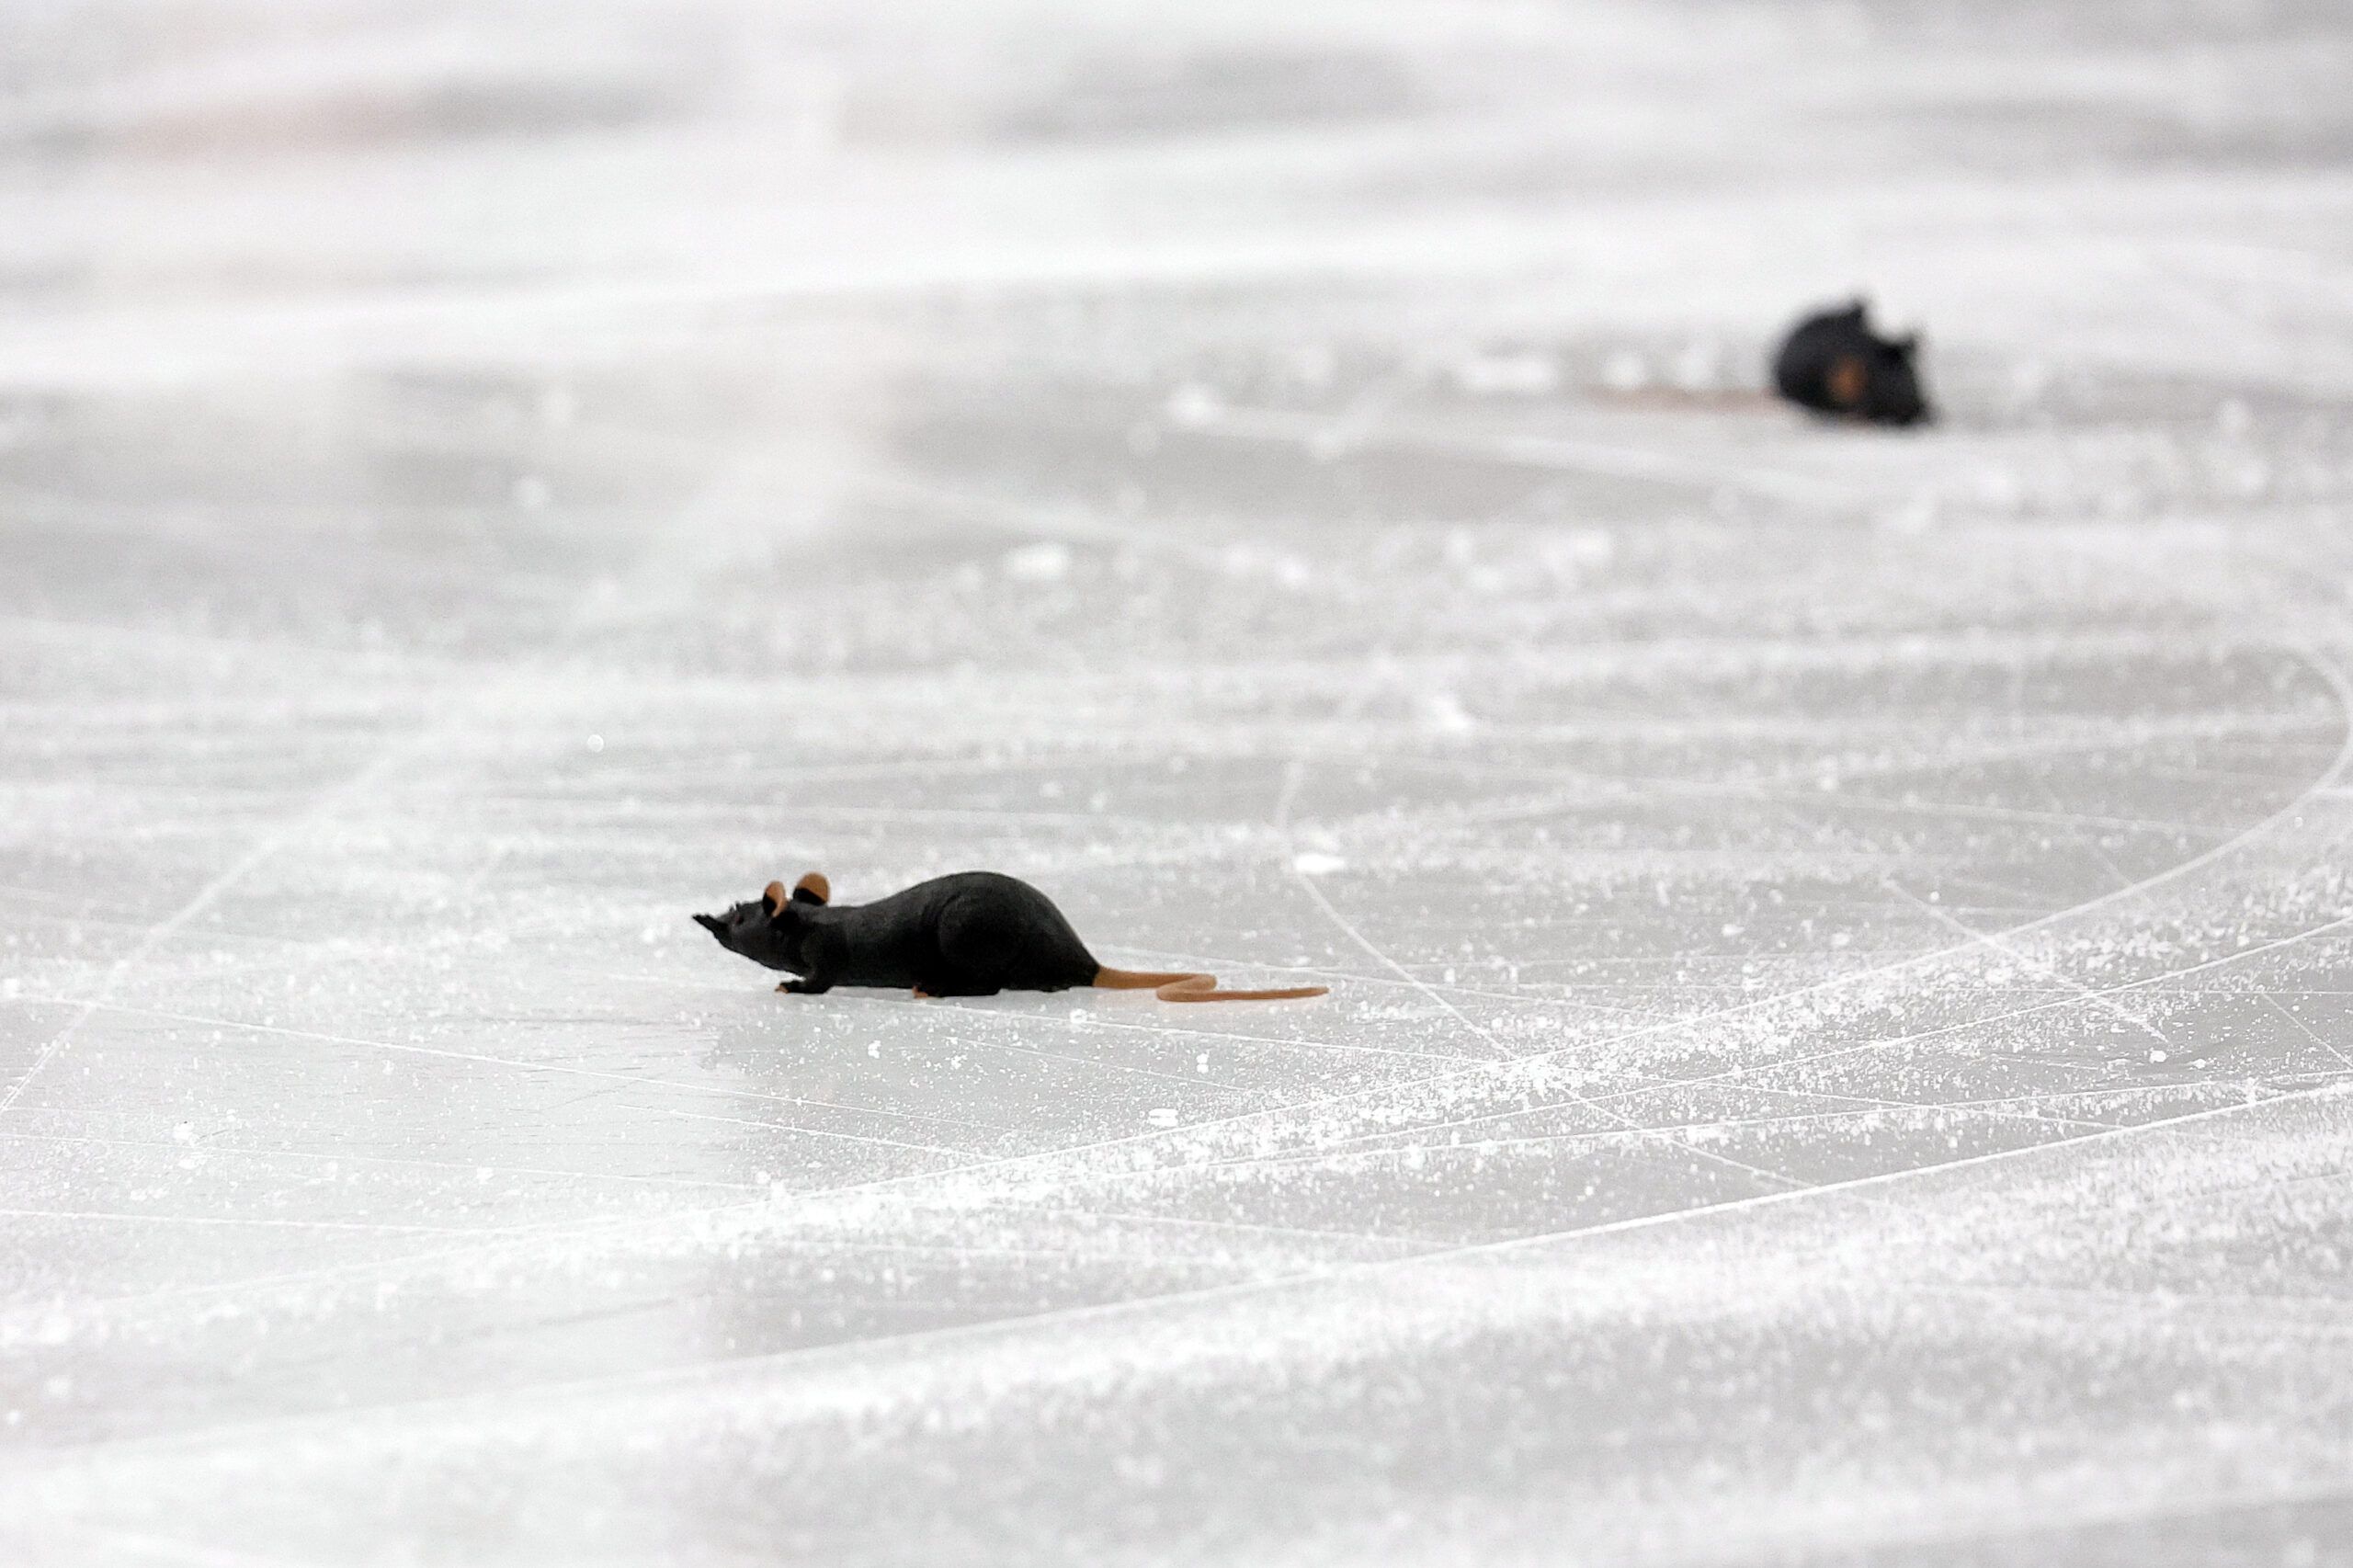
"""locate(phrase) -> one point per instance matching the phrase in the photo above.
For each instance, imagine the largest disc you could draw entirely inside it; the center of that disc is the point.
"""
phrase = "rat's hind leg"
(980, 951)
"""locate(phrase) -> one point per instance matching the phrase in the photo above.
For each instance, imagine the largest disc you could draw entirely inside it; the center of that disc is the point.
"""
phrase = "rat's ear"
(775, 897)
(813, 889)
(1848, 379)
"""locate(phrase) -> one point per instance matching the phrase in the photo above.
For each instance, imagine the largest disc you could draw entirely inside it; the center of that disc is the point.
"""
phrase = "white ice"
(1841, 944)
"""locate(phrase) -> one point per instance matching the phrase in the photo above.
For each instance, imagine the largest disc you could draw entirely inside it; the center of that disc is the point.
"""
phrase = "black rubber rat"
(973, 934)
(1834, 363)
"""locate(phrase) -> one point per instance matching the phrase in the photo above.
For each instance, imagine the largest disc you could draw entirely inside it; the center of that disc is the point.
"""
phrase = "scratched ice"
(1842, 946)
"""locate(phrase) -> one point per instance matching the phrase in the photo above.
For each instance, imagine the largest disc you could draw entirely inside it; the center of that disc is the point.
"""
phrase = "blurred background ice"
(1842, 949)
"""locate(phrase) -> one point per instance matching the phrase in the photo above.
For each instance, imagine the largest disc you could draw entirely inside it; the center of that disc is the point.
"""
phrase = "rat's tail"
(1711, 400)
(1194, 987)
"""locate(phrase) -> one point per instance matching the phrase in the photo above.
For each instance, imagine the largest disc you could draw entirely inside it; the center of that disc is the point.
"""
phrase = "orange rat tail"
(1706, 399)
(1194, 987)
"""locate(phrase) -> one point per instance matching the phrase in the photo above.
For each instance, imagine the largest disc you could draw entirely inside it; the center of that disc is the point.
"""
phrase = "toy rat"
(972, 934)
(1834, 363)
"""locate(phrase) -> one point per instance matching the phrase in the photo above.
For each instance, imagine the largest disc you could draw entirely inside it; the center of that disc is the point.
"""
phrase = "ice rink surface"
(1841, 944)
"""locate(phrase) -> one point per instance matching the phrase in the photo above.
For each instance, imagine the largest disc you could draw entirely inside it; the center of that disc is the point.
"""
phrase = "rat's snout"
(712, 923)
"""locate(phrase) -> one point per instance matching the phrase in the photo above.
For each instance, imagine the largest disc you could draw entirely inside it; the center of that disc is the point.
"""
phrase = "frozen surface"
(1842, 946)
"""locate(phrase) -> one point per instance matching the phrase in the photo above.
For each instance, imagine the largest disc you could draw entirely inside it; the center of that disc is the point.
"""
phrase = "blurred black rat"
(973, 934)
(1834, 363)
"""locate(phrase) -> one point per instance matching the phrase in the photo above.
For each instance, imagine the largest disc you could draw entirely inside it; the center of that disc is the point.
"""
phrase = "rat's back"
(1801, 368)
(998, 923)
